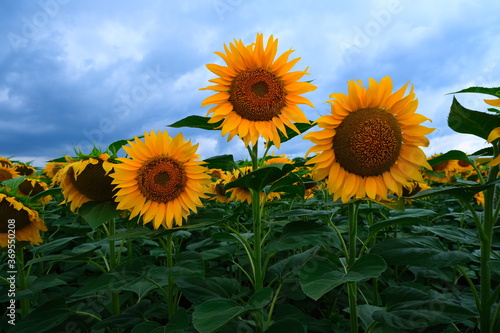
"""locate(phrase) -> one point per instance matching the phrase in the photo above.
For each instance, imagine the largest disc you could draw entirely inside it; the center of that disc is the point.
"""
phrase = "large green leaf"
(215, 313)
(410, 216)
(424, 251)
(303, 233)
(224, 162)
(52, 246)
(287, 325)
(463, 120)
(131, 317)
(409, 308)
(196, 122)
(262, 177)
(260, 298)
(198, 290)
(326, 276)
(96, 213)
(451, 155)
(489, 91)
(42, 319)
(292, 264)
(290, 184)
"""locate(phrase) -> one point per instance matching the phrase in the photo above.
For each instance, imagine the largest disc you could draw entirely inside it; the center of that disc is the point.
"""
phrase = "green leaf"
(196, 122)
(97, 213)
(13, 182)
(137, 232)
(52, 246)
(489, 91)
(453, 233)
(463, 120)
(451, 155)
(260, 298)
(288, 184)
(292, 264)
(131, 317)
(188, 264)
(410, 308)
(287, 325)
(43, 318)
(124, 275)
(411, 216)
(460, 191)
(215, 313)
(50, 191)
(326, 276)
(424, 251)
(223, 162)
(198, 290)
(301, 233)
(262, 177)
(117, 145)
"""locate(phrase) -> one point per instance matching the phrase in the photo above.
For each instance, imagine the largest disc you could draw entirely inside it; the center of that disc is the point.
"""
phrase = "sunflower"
(162, 181)
(86, 180)
(24, 169)
(31, 187)
(256, 93)
(243, 194)
(27, 222)
(370, 142)
(8, 173)
(52, 168)
(5, 162)
(216, 189)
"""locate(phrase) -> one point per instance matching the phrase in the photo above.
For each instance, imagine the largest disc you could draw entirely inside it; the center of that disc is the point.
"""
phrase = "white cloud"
(464, 142)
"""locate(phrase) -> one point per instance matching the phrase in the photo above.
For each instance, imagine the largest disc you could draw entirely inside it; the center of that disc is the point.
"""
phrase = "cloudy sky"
(74, 73)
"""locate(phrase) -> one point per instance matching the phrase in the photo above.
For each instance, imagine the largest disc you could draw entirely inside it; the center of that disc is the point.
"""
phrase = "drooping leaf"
(196, 122)
(290, 184)
(463, 120)
(96, 213)
(215, 313)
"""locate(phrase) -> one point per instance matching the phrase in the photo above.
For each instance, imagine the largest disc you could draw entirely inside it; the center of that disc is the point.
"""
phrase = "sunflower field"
(365, 233)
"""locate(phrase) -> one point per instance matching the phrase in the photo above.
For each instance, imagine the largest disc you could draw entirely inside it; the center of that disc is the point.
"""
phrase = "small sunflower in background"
(7, 172)
(24, 169)
(219, 179)
(31, 186)
(87, 178)
(162, 181)
(27, 221)
(5, 162)
(369, 144)
(256, 94)
(52, 168)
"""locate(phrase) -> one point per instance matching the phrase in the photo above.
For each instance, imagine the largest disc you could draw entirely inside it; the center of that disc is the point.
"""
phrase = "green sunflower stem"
(352, 288)
(257, 208)
(115, 294)
(23, 281)
(486, 243)
(171, 297)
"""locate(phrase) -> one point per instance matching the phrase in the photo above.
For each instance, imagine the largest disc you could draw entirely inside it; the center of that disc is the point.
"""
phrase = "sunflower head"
(87, 179)
(369, 144)
(24, 169)
(31, 186)
(256, 94)
(25, 221)
(8, 173)
(5, 162)
(52, 168)
(162, 181)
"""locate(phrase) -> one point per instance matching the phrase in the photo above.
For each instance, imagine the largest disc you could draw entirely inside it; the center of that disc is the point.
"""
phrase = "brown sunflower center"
(368, 142)
(8, 212)
(162, 179)
(5, 174)
(29, 188)
(257, 95)
(93, 182)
